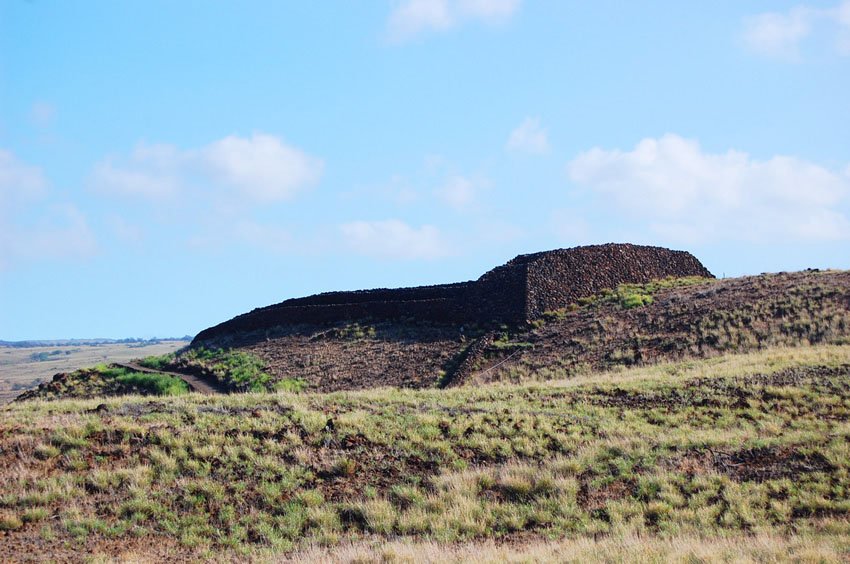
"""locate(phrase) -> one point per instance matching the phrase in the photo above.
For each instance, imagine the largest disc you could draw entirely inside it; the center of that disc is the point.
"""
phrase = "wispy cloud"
(257, 169)
(458, 192)
(42, 113)
(528, 137)
(32, 227)
(687, 194)
(262, 167)
(123, 230)
(780, 35)
(842, 16)
(411, 18)
(394, 239)
(19, 182)
(61, 231)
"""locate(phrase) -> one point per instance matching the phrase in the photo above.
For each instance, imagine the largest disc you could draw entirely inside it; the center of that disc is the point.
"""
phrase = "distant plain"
(25, 367)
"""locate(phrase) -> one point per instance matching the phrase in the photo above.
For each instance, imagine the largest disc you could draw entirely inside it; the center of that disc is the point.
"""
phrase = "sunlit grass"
(664, 462)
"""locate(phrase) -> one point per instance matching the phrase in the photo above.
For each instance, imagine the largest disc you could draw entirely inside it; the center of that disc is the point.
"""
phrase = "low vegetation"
(158, 362)
(107, 380)
(153, 384)
(235, 370)
(745, 452)
(629, 296)
(626, 296)
(355, 332)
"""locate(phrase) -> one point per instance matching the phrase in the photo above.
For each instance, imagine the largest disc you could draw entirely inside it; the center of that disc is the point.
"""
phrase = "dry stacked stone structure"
(521, 290)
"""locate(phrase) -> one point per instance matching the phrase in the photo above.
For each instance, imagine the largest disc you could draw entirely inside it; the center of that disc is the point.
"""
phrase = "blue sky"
(167, 165)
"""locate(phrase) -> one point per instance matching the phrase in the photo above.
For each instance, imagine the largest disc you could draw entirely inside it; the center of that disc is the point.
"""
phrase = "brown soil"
(29, 545)
(760, 464)
(398, 354)
(595, 499)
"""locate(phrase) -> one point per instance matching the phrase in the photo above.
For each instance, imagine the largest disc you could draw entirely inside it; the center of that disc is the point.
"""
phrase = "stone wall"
(558, 278)
(440, 304)
(520, 290)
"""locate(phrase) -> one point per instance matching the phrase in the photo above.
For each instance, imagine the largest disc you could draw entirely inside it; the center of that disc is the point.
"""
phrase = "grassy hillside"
(732, 455)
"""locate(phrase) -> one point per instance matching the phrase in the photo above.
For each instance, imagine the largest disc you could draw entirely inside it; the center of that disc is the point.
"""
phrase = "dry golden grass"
(684, 549)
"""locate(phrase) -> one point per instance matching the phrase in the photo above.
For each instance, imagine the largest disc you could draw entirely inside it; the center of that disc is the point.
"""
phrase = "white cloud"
(42, 113)
(32, 228)
(257, 169)
(124, 230)
(688, 194)
(415, 16)
(778, 35)
(394, 239)
(842, 16)
(142, 181)
(528, 137)
(781, 34)
(262, 168)
(410, 18)
(61, 232)
(494, 10)
(842, 13)
(458, 192)
(19, 183)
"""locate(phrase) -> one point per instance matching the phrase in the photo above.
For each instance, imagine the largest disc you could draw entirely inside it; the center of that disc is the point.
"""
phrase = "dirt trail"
(195, 383)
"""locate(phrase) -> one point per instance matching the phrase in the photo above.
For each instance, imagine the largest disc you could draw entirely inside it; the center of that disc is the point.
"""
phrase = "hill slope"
(637, 324)
(744, 455)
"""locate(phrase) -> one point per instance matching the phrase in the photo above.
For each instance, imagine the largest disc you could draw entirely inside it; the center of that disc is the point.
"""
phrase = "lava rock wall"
(515, 292)
(556, 279)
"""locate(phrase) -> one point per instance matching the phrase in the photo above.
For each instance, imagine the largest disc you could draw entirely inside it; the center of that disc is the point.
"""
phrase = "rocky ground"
(639, 325)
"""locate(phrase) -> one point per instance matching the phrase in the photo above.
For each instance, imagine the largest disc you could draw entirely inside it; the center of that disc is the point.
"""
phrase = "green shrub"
(35, 514)
(631, 300)
(290, 385)
(503, 341)
(157, 384)
(157, 362)
(241, 371)
(356, 332)
(10, 522)
(45, 452)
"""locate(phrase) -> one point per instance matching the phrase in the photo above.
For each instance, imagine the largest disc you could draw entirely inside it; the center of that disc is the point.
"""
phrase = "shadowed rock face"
(515, 292)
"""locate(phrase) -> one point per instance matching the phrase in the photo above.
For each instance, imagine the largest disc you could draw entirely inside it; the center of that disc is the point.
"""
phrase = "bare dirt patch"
(762, 464)
(594, 499)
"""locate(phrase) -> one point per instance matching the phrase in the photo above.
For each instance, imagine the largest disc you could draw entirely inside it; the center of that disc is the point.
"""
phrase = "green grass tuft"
(156, 384)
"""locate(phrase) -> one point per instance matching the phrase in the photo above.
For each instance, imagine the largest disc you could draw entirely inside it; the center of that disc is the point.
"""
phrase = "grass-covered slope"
(739, 454)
